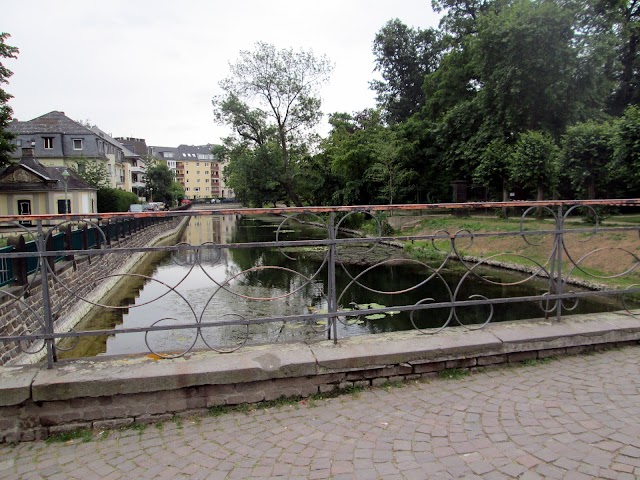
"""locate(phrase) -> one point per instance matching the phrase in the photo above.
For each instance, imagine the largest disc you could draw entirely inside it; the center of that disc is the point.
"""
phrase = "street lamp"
(151, 194)
(65, 180)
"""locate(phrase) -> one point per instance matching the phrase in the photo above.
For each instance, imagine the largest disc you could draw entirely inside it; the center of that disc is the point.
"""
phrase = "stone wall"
(114, 392)
(75, 281)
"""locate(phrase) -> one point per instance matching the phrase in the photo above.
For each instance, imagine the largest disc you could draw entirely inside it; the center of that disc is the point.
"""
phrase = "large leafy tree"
(6, 146)
(626, 142)
(272, 97)
(587, 150)
(403, 56)
(160, 178)
(534, 163)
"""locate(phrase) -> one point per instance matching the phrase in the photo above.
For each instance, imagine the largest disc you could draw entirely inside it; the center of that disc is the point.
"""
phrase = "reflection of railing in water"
(560, 264)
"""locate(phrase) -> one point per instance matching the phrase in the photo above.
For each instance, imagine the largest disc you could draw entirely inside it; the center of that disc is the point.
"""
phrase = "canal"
(219, 284)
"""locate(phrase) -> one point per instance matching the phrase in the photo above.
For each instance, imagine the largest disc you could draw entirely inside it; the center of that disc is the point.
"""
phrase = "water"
(244, 283)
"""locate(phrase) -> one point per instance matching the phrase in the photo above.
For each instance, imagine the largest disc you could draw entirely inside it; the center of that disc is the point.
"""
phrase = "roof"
(105, 136)
(52, 122)
(47, 178)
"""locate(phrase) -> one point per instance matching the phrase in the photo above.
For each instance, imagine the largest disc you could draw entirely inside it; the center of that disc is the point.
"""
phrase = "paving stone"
(569, 419)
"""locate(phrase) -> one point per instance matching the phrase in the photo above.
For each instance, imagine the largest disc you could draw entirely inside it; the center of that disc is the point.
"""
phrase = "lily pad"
(321, 322)
(375, 316)
(393, 312)
(376, 305)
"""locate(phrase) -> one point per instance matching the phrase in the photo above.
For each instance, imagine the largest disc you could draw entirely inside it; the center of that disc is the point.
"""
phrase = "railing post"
(46, 300)
(331, 282)
(19, 265)
(68, 242)
(560, 248)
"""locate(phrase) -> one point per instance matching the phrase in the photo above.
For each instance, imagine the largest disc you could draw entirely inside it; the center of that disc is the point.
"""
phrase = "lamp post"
(65, 180)
(151, 194)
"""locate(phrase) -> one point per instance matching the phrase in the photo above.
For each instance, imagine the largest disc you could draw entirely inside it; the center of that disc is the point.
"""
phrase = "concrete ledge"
(15, 384)
(36, 402)
(106, 376)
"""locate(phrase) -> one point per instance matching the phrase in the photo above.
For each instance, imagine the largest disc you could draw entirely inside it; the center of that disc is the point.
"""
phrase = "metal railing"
(553, 260)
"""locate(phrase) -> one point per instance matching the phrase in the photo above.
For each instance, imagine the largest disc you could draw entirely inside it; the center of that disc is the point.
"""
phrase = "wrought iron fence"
(551, 252)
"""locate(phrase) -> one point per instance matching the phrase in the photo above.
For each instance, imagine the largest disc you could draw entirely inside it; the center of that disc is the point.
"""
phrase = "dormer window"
(48, 143)
(77, 144)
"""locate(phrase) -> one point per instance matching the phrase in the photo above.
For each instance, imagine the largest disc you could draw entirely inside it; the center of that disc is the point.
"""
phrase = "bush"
(115, 200)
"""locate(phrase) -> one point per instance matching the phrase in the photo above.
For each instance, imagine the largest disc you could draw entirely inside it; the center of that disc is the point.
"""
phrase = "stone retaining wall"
(107, 392)
(75, 280)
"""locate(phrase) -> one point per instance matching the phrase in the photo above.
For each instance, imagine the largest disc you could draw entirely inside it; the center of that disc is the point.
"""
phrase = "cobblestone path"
(570, 418)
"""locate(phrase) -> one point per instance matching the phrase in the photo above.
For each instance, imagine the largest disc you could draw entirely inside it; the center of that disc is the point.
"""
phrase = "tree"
(254, 174)
(587, 150)
(627, 147)
(6, 146)
(403, 56)
(176, 193)
(160, 178)
(493, 170)
(527, 65)
(93, 172)
(272, 95)
(534, 162)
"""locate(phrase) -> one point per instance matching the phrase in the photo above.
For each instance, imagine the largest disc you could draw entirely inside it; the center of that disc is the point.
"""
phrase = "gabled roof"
(45, 178)
(52, 122)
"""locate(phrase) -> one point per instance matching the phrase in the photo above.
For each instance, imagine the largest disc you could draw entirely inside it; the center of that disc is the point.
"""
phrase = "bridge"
(110, 392)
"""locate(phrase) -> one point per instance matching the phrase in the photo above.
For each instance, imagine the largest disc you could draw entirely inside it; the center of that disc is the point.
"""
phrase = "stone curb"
(109, 376)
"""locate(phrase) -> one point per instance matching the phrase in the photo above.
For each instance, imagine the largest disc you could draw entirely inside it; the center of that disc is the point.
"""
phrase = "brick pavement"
(572, 418)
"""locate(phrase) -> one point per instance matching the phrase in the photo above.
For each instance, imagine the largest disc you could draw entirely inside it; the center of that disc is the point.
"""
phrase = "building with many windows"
(58, 141)
(196, 169)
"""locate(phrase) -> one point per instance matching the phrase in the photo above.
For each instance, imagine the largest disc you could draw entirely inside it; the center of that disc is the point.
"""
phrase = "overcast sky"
(149, 68)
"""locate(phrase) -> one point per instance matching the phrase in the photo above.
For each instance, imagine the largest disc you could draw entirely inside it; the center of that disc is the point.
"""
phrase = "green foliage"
(534, 162)
(84, 434)
(587, 150)
(6, 145)
(283, 85)
(403, 56)
(254, 174)
(626, 143)
(453, 373)
(161, 179)
(94, 172)
(115, 200)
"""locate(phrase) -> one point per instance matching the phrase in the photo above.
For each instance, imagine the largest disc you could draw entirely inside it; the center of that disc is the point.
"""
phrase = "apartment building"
(196, 169)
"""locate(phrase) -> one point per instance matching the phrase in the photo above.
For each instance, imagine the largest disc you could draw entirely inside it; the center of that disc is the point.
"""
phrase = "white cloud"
(150, 68)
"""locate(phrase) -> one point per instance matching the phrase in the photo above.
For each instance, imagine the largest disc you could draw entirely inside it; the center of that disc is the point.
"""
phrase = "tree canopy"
(271, 100)
(6, 112)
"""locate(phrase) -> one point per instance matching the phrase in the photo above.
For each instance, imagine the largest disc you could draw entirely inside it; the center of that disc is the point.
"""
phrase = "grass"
(453, 373)
(533, 362)
(85, 434)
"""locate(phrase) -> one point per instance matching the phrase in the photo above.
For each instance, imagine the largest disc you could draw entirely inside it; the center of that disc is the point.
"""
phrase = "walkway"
(571, 418)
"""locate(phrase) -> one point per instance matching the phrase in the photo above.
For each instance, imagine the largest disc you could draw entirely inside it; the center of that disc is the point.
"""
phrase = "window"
(24, 208)
(187, 180)
(187, 189)
(206, 180)
(197, 165)
(197, 189)
(18, 143)
(206, 172)
(48, 142)
(198, 180)
(61, 208)
(197, 172)
(77, 144)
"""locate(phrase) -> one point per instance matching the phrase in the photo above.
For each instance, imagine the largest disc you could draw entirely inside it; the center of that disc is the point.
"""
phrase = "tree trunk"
(540, 211)
(505, 197)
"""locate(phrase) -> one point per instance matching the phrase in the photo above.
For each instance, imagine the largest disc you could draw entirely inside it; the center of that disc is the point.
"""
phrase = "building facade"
(30, 188)
(197, 169)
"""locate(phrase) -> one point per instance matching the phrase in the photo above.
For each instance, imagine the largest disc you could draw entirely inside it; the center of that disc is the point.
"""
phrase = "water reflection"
(212, 285)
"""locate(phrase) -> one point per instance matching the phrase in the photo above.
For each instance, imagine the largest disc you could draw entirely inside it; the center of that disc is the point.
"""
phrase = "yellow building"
(30, 188)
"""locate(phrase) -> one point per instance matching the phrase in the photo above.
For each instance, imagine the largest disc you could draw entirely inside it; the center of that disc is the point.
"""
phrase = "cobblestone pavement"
(570, 418)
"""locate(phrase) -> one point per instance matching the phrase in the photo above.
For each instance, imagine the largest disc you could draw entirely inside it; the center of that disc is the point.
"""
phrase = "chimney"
(28, 152)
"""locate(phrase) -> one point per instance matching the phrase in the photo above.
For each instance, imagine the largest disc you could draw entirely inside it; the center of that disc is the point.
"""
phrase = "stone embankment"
(76, 285)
